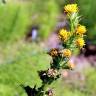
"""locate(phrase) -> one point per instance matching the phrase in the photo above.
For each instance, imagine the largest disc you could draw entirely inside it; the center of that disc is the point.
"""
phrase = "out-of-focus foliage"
(13, 22)
(45, 17)
(88, 9)
(88, 89)
(90, 80)
(21, 68)
(16, 18)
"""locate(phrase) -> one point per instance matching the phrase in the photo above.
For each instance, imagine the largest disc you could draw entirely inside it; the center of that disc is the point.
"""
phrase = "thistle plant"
(71, 39)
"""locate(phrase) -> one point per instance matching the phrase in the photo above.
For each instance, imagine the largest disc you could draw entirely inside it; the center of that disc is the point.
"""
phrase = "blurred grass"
(16, 18)
(89, 89)
(13, 24)
(88, 9)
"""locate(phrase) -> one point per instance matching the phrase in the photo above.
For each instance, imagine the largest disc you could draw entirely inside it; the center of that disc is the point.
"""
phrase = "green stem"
(72, 26)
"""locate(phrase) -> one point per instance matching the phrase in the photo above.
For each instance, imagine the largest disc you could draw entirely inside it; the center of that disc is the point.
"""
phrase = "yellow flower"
(71, 8)
(80, 42)
(81, 30)
(66, 53)
(64, 35)
(71, 65)
(53, 52)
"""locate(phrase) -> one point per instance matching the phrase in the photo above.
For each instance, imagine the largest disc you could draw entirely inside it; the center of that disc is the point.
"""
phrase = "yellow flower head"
(80, 42)
(81, 30)
(53, 52)
(66, 53)
(63, 35)
(71, 8)
(71, 65)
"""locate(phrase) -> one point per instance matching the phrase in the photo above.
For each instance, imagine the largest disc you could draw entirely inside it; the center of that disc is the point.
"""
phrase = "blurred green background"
(20, 60)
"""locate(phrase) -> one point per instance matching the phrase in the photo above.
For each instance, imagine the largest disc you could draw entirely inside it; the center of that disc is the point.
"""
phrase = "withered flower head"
(53, 52)
(52, 73)
(50, 92)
